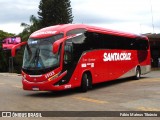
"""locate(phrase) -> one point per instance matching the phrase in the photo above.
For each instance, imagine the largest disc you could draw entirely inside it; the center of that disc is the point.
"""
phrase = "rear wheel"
(138, 73)
(86, 82)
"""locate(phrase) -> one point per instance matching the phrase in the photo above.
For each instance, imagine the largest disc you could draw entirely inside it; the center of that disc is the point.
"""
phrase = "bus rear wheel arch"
(86, 82)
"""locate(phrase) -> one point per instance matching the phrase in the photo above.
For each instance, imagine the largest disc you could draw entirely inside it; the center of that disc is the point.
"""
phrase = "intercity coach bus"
(76, 55)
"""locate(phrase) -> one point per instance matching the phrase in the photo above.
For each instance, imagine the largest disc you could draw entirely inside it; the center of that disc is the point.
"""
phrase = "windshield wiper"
(36, 57)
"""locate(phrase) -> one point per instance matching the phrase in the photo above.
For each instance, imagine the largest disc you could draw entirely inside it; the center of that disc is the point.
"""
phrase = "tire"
(86, 82)
(138, 74)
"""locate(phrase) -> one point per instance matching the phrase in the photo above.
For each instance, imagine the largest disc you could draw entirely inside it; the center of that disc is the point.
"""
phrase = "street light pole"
(152, 16)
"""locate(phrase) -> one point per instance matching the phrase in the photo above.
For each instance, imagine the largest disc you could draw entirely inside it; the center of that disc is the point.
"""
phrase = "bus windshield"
(38, 54)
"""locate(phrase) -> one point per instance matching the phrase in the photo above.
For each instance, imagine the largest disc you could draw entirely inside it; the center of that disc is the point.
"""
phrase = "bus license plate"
(35, 89)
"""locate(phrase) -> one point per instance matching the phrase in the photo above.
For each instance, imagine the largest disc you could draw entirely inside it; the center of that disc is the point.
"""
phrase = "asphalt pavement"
(118, 95)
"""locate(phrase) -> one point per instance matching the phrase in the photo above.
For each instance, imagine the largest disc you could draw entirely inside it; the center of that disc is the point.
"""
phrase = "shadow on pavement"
(52, 94)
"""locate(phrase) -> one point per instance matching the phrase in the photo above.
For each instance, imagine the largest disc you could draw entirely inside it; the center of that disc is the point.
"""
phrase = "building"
(154, 40)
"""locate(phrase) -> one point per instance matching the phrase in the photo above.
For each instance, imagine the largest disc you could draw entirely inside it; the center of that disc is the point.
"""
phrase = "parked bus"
(76, 55)
(8, 43)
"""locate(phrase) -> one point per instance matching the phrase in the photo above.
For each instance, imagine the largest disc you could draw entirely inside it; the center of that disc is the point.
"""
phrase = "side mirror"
(14, 48)
(56, 45)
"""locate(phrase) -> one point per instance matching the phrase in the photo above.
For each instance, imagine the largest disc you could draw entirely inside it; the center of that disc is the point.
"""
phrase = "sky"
(135, 16)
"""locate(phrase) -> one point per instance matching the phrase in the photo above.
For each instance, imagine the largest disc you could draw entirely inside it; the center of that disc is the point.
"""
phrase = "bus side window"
(68, 54)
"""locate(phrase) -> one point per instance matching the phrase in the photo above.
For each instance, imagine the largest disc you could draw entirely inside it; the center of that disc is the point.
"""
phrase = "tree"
(4, 35)
(28, 29)
(52, 12)
(4, 55)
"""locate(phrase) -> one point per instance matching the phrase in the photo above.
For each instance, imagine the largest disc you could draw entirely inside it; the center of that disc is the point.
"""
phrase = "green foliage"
(18, 60)
(53, 12)
(3, 62)
(4, 35)
(29, 29)
(4, 55)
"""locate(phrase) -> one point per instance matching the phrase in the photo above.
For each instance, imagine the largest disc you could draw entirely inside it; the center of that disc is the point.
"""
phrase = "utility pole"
(152, 16)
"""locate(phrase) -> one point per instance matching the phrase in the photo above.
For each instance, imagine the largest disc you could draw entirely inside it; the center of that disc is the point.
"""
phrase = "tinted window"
(89, 41)
(104, 41)
(75, 31)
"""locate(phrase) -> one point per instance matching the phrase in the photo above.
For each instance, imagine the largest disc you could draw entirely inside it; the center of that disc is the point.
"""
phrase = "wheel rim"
(87, 80)
(138, 73)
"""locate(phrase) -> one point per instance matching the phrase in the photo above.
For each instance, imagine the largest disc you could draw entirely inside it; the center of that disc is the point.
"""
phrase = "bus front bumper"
(44, 86)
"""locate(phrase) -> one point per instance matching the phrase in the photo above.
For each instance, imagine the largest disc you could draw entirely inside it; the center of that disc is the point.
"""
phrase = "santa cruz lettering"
(116, 56)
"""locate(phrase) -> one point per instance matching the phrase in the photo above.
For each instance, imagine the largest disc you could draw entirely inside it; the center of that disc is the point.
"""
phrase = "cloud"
(125, 14)
(17, 11)
(11, 27)
(91, 18)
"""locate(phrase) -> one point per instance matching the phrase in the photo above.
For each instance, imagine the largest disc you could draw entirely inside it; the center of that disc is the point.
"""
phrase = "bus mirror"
(14, 48)
(55, 47)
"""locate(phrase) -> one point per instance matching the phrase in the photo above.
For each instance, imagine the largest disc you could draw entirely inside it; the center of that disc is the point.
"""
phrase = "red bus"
(76, 55)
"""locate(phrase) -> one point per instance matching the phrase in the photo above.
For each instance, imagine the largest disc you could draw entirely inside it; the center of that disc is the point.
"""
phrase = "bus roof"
(64, 28)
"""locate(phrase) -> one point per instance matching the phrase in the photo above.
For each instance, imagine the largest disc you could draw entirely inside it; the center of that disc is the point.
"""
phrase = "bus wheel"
(86, 82)
(138, 73)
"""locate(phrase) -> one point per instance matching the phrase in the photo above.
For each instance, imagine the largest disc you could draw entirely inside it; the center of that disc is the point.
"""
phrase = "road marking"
(147, 80)
(17, 86)
(154, 80)
(121, 93)
(91, 100)
(2, 83)
(148, 109)
(158, 92)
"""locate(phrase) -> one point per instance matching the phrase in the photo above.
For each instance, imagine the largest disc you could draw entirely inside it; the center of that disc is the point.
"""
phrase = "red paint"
(94, 61)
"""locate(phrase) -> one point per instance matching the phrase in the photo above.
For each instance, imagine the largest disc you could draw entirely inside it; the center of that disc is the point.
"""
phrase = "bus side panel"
(112, 68)
(144, 59)
(92, 62)
(105, 70)
(123, 65)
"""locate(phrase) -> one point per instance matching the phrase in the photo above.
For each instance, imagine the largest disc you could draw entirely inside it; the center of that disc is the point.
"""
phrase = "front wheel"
(86, 82)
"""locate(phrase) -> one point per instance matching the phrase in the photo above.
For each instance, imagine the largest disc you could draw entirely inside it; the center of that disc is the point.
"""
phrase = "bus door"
(68, 64)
